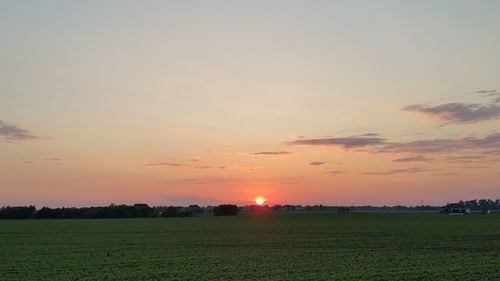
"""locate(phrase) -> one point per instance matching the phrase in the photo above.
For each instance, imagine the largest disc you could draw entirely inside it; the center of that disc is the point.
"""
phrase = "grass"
(278, 246)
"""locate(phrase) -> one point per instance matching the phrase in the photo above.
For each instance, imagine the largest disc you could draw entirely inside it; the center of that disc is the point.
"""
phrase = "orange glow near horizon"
(260, 200)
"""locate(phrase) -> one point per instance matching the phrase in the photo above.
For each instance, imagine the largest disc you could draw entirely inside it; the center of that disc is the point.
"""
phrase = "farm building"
(456, 209)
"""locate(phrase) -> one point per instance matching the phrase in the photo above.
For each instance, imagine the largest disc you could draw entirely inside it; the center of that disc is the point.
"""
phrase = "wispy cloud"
(458, 112)
(443, 145)
(10, 133)
(485, 92)
(346, 142)
(426, 146)
(316, 163)
(400, 171)
(423, 146)
(195, 180)
(335, 172)
(203, 167)
(461, 113)
(468, 159)
(447, 174)
(240, 168)
(474, 167)
(52, 160)
(417, 158)
(491, 141)
(164, 164)
(369, 135)
(271, 153)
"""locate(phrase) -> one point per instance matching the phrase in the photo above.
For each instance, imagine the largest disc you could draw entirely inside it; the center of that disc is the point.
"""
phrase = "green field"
(279, 246)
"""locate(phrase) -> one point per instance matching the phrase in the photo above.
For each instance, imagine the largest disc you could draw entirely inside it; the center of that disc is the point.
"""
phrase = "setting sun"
(260, 200)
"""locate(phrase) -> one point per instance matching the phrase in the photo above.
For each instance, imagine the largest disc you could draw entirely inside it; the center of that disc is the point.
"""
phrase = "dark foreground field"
(291, 246)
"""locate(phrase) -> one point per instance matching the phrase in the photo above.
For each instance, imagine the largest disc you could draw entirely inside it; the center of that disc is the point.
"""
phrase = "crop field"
(274, 246)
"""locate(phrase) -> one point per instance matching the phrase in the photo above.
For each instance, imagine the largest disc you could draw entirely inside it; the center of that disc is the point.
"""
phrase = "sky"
(209, 102)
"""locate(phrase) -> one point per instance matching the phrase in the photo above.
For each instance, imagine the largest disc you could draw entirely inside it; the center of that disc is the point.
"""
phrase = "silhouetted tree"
(195, 209)
(277, 207)
(17, 212)
(226, 210)
(172, 212)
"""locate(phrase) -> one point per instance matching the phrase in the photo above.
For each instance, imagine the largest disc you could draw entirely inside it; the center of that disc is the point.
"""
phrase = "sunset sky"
(207, 102)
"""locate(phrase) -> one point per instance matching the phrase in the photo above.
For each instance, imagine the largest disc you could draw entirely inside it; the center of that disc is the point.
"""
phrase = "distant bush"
(226, 210)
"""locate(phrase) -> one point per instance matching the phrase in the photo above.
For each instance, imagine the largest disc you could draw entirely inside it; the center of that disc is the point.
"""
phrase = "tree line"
(482, 204)
(114, 211)
(111, 211)
(145, 211)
